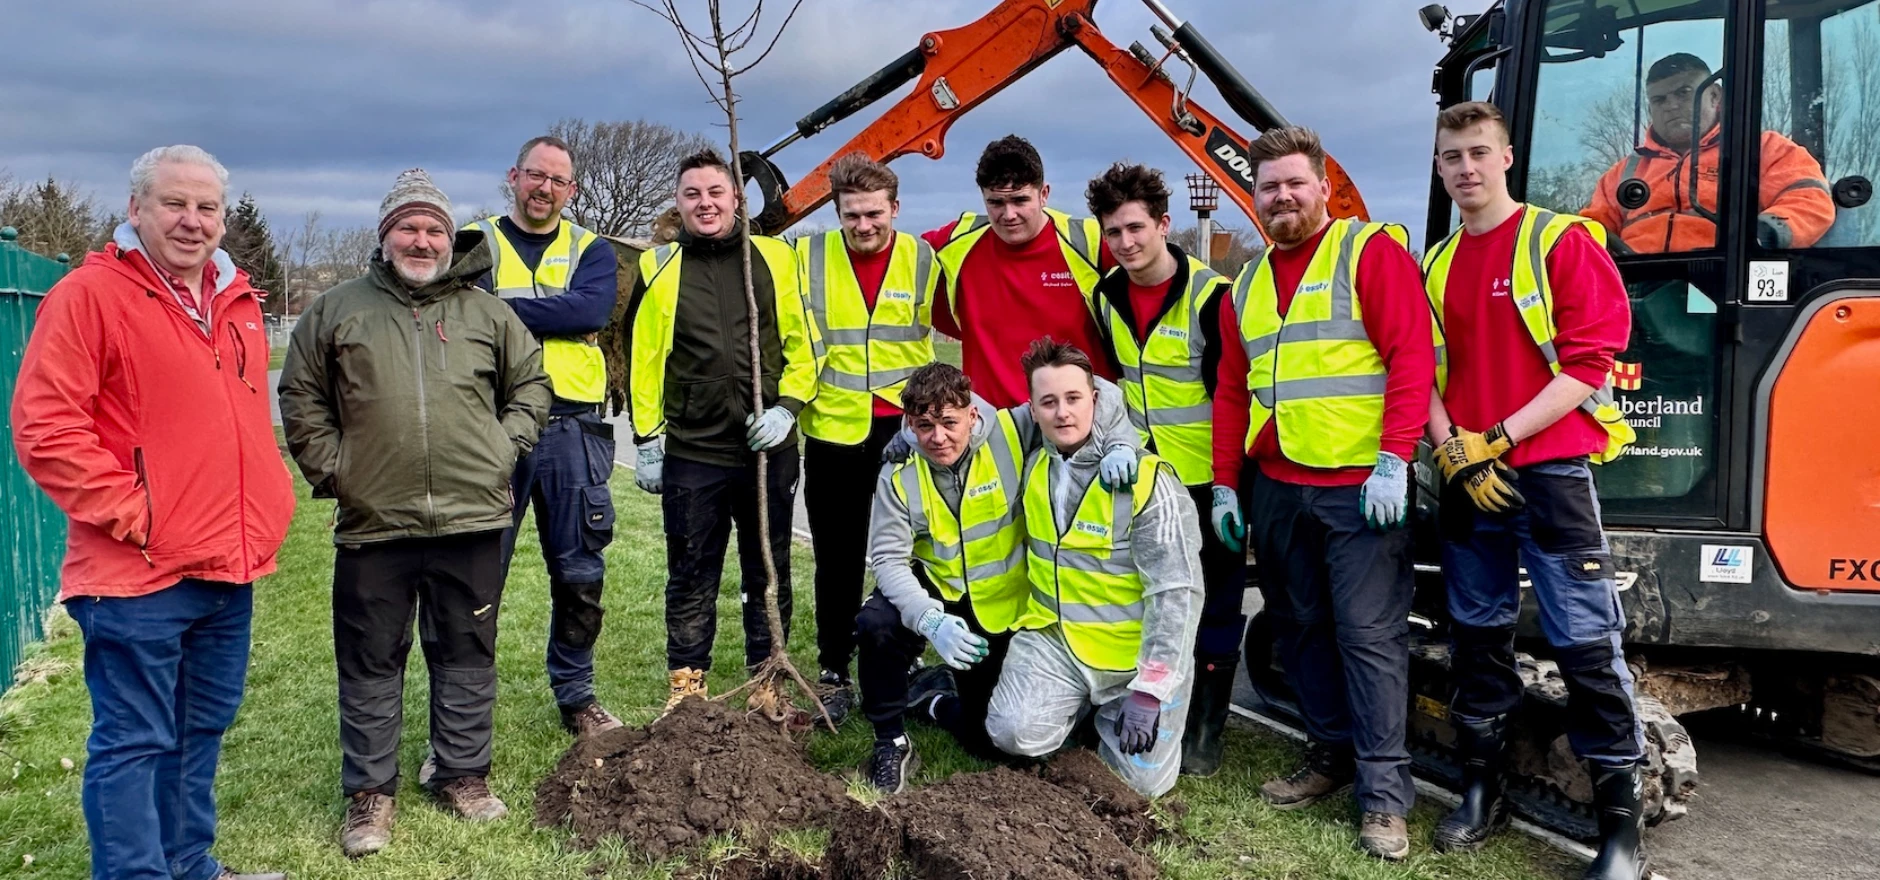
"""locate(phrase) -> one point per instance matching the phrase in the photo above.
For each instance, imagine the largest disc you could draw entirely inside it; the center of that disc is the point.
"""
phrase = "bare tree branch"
(774, 40)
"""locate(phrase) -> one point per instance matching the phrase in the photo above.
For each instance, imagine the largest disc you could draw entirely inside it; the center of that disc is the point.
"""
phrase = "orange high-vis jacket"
(1793, 199)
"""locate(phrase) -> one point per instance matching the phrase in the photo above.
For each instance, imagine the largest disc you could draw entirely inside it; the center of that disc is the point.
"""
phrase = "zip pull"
(417, 320)
(440, 331)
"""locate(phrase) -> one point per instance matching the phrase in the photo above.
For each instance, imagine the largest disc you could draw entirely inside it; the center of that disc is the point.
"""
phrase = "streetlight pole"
(1204, 198)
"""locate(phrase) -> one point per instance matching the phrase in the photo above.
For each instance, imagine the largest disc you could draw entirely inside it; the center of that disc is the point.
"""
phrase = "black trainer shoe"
(892, 764)
(927, 686)
(836, 694)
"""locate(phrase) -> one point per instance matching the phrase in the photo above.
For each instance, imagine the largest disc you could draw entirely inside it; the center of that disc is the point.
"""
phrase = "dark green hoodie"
(412, 406)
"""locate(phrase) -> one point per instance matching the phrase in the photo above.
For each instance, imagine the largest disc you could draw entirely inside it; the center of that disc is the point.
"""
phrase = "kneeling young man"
(1115, 593)
(952, 506)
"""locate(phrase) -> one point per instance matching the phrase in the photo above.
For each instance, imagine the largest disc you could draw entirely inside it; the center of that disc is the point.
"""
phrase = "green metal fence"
(32, 530)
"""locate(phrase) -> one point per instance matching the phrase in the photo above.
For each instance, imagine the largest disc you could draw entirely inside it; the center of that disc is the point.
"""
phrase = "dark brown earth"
(705, 769)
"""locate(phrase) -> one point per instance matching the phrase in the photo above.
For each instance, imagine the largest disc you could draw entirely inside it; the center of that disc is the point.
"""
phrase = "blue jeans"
(1558, 539)
(165, 672)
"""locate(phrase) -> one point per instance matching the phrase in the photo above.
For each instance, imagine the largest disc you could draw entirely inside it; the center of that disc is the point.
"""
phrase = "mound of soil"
(705, 769)
(1084, 775)
(997, 825)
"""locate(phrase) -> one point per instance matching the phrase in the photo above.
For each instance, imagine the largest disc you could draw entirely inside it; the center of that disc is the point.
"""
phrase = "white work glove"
(1385, 496)
(952, 639)
(768, 430)
(1117, 469)
(649, 467)
(1225, 517)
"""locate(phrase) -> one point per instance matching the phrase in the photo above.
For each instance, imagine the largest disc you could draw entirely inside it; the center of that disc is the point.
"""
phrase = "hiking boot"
(766, 699)
(1483, 810)
(231, 875)
(685, 682)
(1617, 792)
(925, 686)
(837, 696)
(892, 764)
(1325, 773)
(588, 720)
(1384, 836)
(469, 797)
(1207, 718)
(368, 825)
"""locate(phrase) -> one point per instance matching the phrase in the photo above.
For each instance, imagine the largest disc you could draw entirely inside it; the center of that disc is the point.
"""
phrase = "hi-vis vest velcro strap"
(980, 551)
(1167, 395)
(1083, 578)
(1314, 372)
(1539, 232)
(865, 352)
(1079, 237)
(576, 368)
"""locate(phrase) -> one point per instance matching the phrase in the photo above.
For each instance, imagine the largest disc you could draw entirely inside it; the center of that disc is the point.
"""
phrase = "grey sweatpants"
(1044, 691)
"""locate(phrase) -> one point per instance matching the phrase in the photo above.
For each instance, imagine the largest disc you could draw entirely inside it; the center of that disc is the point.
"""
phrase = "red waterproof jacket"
(152, 434)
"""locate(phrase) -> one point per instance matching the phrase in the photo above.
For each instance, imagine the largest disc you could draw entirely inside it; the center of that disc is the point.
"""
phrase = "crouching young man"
(1115, 593)
(953, 507)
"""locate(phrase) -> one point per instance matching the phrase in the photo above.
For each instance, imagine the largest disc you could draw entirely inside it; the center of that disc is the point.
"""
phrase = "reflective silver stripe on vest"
(996, 568)
(923, 274)
(1077, 612)
(1078, 560)
(818, 301)
(819, 306)
(1079, 238)
(1184, 415)
(1328, 386)
(851, 382)
(916, 504)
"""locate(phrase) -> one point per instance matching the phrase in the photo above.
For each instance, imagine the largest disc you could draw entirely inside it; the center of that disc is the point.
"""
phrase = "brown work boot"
(588, 720)
(766, 699)
(1324, 774)
(685, 682)
(368, 825)
(469, 797)
(1384, 836)
(231, 875)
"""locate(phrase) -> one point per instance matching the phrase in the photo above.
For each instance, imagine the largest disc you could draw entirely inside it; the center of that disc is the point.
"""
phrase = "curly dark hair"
(705, 158)
(1110, 191)
(1048, 352)
(934, 388)
(1009, 163)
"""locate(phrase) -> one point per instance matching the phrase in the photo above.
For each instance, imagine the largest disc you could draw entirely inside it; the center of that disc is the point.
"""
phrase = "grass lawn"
(279, 782)
(277, 356)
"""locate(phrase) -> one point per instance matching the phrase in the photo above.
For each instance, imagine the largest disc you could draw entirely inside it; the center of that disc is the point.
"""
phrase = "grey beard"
(437, 271)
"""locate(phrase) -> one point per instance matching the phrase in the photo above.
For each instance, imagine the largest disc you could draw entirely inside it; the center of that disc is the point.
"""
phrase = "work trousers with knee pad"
(700, 503)
(1345, 636)
(564, 478)
(1044, 691)
(453, 587)
(1557, 538)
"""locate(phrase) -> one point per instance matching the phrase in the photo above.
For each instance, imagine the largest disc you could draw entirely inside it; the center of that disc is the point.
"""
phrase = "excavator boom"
(959, 69)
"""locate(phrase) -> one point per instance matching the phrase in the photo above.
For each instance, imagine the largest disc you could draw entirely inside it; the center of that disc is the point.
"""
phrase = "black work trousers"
(453, 586)
(839, 495)
(1344, 633)
(701, 502)
(1224, 592)
(888, 649)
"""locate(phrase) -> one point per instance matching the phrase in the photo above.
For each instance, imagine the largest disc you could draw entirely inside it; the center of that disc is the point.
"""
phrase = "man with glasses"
(560, 280)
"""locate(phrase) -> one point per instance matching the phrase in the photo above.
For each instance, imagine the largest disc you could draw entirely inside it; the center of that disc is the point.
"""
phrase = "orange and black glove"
(1475, 460)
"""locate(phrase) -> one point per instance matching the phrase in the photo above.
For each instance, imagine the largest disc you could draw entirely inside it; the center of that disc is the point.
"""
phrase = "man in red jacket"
(1532, 310)
(1327, 390)
(1016, 273)
(140, 412)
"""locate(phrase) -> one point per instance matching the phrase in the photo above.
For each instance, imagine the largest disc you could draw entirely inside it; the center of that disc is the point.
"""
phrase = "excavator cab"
(1729, 147)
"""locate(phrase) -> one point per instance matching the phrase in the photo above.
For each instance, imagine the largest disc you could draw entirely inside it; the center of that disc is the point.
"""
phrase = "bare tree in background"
(52, 218)
(623, 171)
(315, 257)
(1244, 246)
(712, 58)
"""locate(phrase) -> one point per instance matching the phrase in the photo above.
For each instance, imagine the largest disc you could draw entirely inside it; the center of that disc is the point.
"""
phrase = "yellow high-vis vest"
(653, 329)
(576, 368)
(866, 353)
(1534, 296)
(1080, 238)
(1315, 372)
(1162, 382)
(1084, 578)
(981, 552)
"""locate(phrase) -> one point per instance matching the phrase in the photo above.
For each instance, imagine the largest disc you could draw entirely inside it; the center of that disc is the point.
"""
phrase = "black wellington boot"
(1484, 808)
(1208, 705)
(1617, 795)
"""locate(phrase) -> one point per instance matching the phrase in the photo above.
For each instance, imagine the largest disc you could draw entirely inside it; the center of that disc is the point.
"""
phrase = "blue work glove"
(768, 430)
(649, 467)
(1117, 470)
(1385, 496)
(952, 639)
(899, 449)
(1135, 728)
(1225, 517)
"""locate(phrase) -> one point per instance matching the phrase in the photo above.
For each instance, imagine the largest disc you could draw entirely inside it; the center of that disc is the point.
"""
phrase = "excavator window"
(1821, 97)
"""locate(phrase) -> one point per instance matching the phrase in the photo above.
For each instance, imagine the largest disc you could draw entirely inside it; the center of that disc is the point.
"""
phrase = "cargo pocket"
(597, 517)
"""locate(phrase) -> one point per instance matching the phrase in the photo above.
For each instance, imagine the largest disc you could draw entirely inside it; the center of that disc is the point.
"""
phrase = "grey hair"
(144, 170)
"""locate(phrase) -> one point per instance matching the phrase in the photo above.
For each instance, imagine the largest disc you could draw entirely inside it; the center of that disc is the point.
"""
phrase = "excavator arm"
(959, 69)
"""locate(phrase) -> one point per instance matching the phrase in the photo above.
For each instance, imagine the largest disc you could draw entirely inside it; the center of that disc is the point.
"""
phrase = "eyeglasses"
(539, 177)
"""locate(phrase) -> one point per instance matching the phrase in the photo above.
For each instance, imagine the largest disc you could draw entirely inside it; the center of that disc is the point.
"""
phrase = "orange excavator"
(961, 68)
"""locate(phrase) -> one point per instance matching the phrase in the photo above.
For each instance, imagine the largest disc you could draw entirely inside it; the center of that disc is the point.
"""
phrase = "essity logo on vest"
(898, 295)
(555, 261)
(1061, 277)
(1090, 528)
(982, 489)
(1172, 332)
(1314, 287)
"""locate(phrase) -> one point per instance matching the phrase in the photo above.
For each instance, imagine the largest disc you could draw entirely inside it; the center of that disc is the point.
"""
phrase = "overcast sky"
(318, 106)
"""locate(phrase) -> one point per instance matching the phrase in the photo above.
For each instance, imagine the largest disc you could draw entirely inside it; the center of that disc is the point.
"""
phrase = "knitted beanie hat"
(414, 193)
